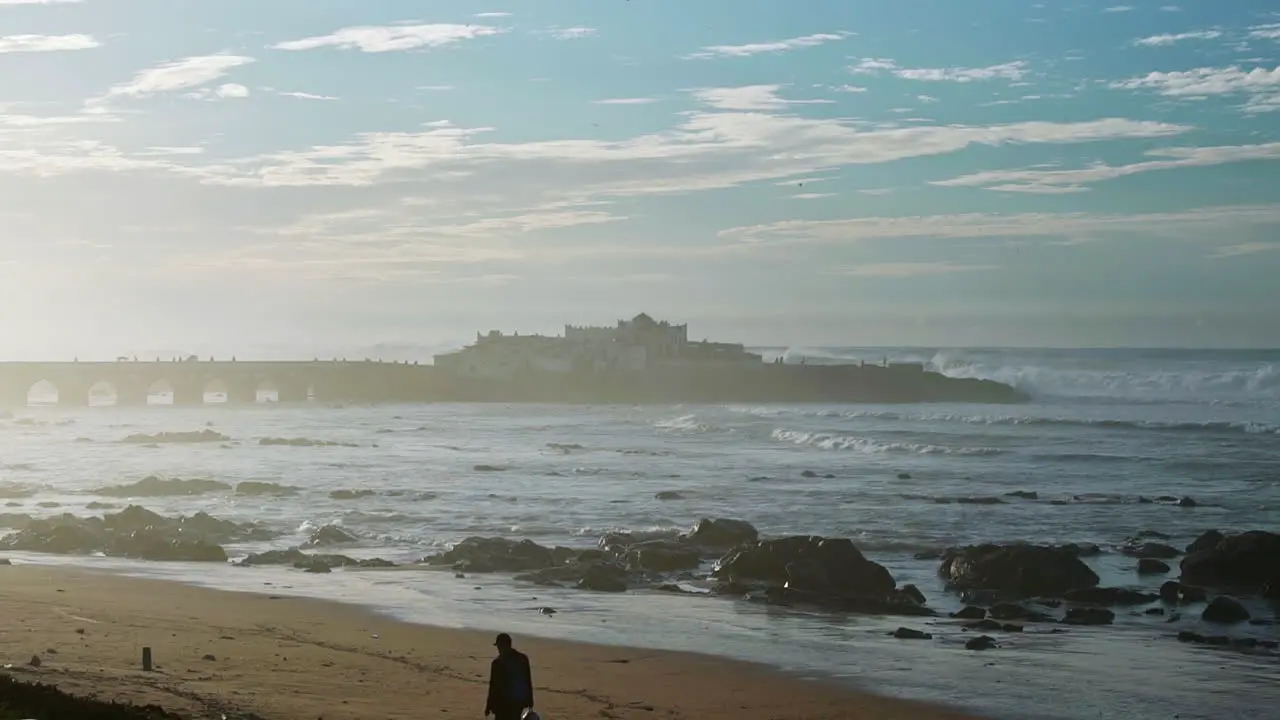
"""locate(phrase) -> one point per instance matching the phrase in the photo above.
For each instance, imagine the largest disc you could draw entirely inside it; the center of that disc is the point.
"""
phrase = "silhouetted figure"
(510, 682)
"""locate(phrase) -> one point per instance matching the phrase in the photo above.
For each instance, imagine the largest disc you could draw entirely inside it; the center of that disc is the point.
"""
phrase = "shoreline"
(287, 656)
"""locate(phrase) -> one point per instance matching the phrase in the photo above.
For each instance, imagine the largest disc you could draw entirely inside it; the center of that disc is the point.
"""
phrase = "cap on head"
(503, 641)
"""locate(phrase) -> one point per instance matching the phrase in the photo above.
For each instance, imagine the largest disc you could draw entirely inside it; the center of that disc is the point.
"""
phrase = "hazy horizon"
(292, 179)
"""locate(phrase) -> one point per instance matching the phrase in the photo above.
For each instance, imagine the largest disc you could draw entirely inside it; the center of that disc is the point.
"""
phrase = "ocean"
(1107, 430)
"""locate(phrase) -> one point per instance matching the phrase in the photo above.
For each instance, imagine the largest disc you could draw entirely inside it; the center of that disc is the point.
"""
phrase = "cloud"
(1004, 71)
(907, 269)
(749, 97)
(492, 15)
(392, 38)
(1194, 223)
(572, 33)
(1118, 9)
(848, 88)
(183, 74)
(811, 196)
(1265, 32)
(46, 43)
(1261, 86)
(307, 96)
(1165, 40)
(1067, 181)
(232, 90)
(795, 43)
(626, 101)
(1243, 249)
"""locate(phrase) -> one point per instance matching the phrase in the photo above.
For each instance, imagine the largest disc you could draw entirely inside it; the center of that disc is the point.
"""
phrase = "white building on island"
(633, 345)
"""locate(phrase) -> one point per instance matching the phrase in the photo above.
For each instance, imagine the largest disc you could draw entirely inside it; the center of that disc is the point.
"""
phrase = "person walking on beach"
(510, 682)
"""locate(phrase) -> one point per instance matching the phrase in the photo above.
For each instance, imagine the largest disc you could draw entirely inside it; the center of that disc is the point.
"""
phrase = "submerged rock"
(1151, 566)
(604, 578)
(1020, 569)
(197, 436)
(350, 494)
(303, 442)
(330, 535)
(154, 486)
(1140, 548)
(1089, 616)
(253, 487)
(1225, 610)
(1107, 596)
(722, 533)
(904, 633)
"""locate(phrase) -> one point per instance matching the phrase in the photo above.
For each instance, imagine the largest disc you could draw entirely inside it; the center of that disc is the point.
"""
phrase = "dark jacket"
(510, 681)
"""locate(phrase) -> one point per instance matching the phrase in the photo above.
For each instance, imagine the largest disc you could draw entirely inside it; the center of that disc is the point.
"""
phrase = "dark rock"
(979, 501)
(1225, 610)
(1021, 569)
(5, 562)
(16, 521)
(970, 612)
(489, 468)
(210, 658)
(1187, 502)
(480, 554)
(1191, 594)
(292, 556)
(316, 565)
(375, 563)
(1011, 611)
(985, 624)
(904, 476)
(154, 486)
(809, 474)
(1187, 636)
(668, 495)
(1207, 541)
(903, 633)
(914, 593)
(1247, 561)
(330, 535)
(810, 564)
(1153, 611)
(252, 487)
(1135, 547)
(1271, 590)
(662, 556)
(1024, 494)
(351, 494)
(199, 436)
(982, 642)
(604, 578)
(1151, 566)
(1107, 596)
(928, 555)
(722, 533)
(1082, 549)
(1089, 616)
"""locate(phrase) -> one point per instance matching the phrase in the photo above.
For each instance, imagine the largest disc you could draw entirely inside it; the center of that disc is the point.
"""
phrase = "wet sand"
(250, 655)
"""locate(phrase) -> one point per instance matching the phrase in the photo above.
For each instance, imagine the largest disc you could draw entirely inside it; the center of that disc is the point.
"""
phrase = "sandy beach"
(249, 655)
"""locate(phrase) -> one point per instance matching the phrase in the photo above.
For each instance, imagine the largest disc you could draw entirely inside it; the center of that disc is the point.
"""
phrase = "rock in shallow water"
(904, 633)
(1089, 616)
(1151, 566)
(1021, 569)
(1225, 610)
(1248, 560)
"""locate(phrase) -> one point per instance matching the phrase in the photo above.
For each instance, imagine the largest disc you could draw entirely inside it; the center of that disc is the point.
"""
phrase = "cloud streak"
(46, 43)
(736, 51)
(1168, 39)
(391, 38)
(192, 72)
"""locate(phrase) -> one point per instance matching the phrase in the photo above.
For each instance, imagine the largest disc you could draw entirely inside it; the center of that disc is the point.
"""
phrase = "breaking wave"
(832, 441)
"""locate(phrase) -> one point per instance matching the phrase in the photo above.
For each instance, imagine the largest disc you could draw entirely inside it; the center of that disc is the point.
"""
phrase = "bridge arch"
(103, 393)
(215, 391)
(160, 392)
(266, 391)
(43, 392)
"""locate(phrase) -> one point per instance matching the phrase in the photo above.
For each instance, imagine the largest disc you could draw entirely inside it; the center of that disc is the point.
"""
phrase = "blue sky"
(247, 175)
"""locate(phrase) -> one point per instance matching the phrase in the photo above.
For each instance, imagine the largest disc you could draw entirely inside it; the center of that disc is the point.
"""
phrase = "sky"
(295, 176)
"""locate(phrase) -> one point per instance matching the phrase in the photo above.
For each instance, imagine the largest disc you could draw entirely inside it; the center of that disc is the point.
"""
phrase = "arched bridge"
(133, 381)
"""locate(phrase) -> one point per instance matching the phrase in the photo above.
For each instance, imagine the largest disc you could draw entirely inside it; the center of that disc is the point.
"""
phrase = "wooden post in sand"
(146, 659)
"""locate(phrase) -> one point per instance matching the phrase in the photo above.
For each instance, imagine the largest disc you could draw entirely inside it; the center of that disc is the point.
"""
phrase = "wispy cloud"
(46, 43)
(308, 96)
(492, 15)
(1067, 181)
(1118, 9)
(1015, 71)
(392, 38)
(1164, 40)
(1265, 32)
(907, 269)
(795, 43)
(182, 74)
(749, 98)
(1024, 225)
(626, 101)
(1243, 249)
(572, 33)
(811, 196)
(1260, 86)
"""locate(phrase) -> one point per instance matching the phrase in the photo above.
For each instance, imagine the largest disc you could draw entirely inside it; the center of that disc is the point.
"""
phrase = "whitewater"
(1112, 443)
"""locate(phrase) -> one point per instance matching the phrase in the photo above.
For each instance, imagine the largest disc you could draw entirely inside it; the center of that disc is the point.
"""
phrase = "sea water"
(1107, 430)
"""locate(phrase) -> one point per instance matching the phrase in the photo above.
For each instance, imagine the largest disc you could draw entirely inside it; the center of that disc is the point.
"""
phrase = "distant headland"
(640, 360)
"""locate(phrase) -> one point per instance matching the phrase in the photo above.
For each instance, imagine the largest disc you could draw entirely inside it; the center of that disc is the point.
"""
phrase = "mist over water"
(1105, 429)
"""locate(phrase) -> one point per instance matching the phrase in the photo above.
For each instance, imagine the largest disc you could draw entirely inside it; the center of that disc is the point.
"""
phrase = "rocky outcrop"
(351, 494)
(1151, 566)
(1247, 561)
(1089, 616)
(254, 487)
(721, 533)
(1022, 570)
(1207, 541)
(330, 535)
(495, 554)
(1109, 596)
(135, 532)
(196, 436)
(155, 486)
